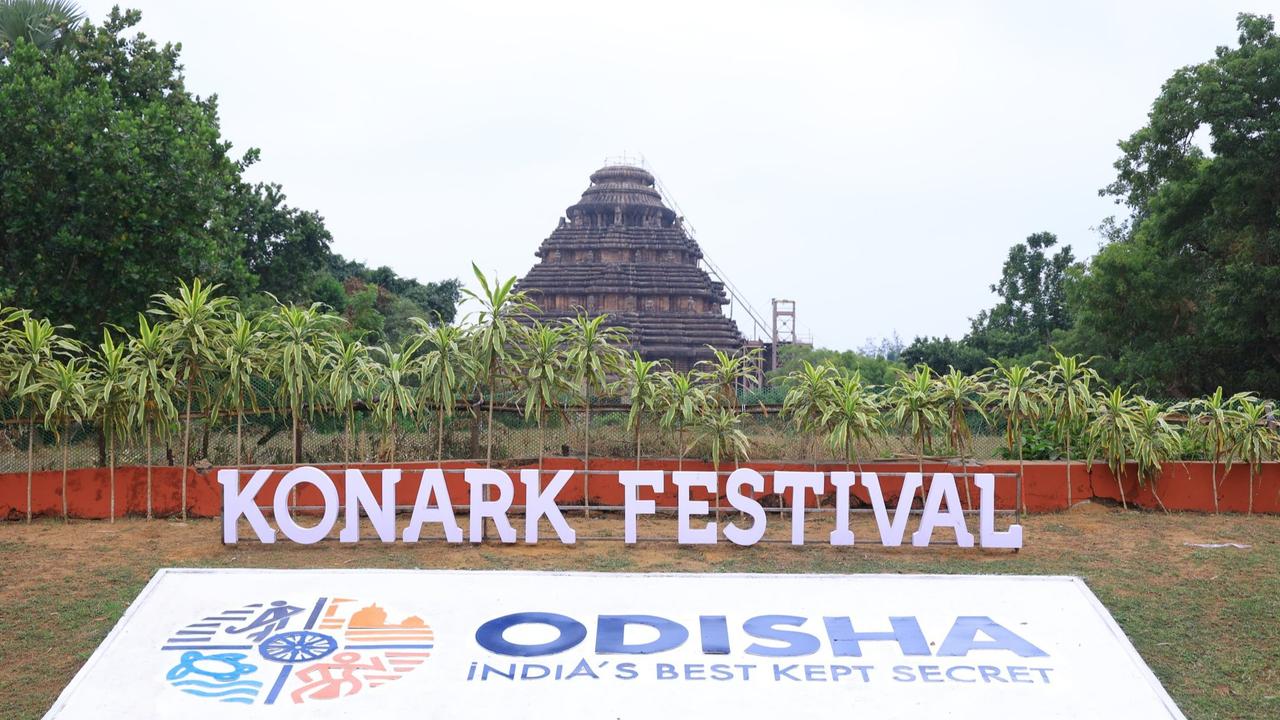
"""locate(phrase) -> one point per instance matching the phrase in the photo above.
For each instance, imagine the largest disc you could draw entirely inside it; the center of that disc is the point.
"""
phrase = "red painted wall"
(1182, 486)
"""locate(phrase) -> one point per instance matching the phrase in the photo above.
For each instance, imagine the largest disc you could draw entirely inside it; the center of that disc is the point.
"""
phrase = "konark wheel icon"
(297, 646)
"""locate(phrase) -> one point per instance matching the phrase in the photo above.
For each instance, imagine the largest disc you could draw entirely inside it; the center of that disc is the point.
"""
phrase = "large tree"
(1186, 296)
(113, 177)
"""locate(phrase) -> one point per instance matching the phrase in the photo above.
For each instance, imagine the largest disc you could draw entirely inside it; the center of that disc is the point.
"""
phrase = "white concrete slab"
(390, 643)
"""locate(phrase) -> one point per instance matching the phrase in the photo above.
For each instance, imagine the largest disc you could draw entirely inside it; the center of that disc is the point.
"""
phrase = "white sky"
(871, 161)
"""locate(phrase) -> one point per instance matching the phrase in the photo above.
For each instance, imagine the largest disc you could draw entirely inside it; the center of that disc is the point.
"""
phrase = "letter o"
(489, 635)
(329, 491)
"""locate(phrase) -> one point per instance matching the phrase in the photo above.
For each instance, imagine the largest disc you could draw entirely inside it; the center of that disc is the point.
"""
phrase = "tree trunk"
(186, 446)
(488, 452)
(1069, 503)
(297, 437)
(239, 437)
(1021, 503)
(65, 445)
(440, 438)
(1214, 469)
(111, 470)
(1251, 489)
(1120, 483)
(637, 444)
(350, 413)
(680, 449)
(146, 432)
(964, 473)
(586, 459)
(31, 459)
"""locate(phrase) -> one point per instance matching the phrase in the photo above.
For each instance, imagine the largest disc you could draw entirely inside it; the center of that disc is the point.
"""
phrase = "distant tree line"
(115, 182)
(1184, 295)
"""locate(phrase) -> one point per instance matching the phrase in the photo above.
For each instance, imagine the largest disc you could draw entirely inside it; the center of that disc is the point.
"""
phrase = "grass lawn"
(1206, 620)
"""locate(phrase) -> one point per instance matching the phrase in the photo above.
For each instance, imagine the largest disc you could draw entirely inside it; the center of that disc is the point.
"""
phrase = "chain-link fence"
(266, 438)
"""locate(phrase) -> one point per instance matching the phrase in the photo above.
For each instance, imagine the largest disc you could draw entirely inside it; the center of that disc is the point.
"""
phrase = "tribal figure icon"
(282, 651)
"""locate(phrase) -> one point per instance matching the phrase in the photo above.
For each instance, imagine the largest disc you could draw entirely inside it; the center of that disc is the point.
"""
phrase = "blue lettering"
(490, 635)
(963, 638)
(763, 628)
(611, 629)
(715, 634)
(846, 643)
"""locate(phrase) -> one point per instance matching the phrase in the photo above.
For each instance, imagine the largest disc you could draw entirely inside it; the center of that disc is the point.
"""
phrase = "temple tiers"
(621, 251)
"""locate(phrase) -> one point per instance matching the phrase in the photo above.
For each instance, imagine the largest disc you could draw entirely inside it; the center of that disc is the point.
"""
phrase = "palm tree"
(194, 323)
(1069, 384)
(1017, 393)
(725, 372)
(243, 355)
(1155, 441)
(852, 416)
(958, 395)
(1111, 431)
(47, 24)
(1212, 421)
(348, 374)
(681, 401)
(111, 401)
(298, 335)
(396, 397)
(720, 430)
(642, 380)
(445, 369)
(545, 380)
(810, 393)
(915, 409)
(501, 310)
(593, 353)
(148, 385)
(66, 386)
(33, 344)
(1254, 438)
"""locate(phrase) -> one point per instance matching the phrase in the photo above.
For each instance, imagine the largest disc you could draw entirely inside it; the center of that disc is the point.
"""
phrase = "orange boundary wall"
(1182, 486)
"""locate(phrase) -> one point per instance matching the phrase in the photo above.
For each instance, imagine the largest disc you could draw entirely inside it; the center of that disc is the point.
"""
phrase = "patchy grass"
(1205, 620)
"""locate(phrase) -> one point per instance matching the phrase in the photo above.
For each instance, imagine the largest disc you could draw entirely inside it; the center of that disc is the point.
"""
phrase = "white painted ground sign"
(459, 645)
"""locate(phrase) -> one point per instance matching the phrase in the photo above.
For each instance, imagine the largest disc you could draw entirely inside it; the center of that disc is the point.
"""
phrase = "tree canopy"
(115, 181)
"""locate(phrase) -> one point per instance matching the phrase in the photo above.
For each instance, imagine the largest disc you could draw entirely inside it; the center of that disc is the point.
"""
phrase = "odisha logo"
(285, 651)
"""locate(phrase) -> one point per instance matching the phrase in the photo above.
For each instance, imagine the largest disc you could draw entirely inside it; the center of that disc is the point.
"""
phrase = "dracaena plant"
(501, 309)
(681, 401)
(446, 371)
(393, 387)
(719, 430)
(298, 336)
(960, 394)
(851, 417)
(593, 353)
(1212, 421)
(1111, 432)
(347, 375)
(1069, 382)
(34, 343)
(242, 354)
(1156, 440)
(1016, 393)
(545, 379)
(1253, 438)
(642, 382)
(810, 393)
(111, 401)
(148, 386)
(66, 387)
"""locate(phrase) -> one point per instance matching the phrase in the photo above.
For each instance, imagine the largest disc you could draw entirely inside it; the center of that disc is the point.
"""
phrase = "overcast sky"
(872, 162)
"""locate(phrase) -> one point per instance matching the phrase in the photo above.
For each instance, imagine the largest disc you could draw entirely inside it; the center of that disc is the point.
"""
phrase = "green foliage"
(719, 430)
(874, 370)
(1186, 295)
(133, 186)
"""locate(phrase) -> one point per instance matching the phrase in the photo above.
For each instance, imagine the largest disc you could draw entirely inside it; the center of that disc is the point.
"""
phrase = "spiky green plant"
(501, 311)
(915, 408)
(148, 385)
(641, 380)
(446, 370)
(347, 375)
(810, 392)
(393, 388)
(242, 358)
(593, 353)
(719, 429)
(1069, 382)
(546, 379)
(1111, 432)
(298, 336)
(111, 401)
(1156, 440)
(46, 24)
(1017, 393)
(33, 343)
(958, 395)
(195, 320)
(66, 387)
(1253, 438)
(1212, 421)
(681, 401)
(724, 372)
(851, 417)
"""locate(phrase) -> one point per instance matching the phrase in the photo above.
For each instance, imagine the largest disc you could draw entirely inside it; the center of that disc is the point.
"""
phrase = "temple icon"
(622, 252)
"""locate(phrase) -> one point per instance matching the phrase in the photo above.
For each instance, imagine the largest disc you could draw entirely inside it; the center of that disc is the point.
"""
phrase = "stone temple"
(622, 252)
